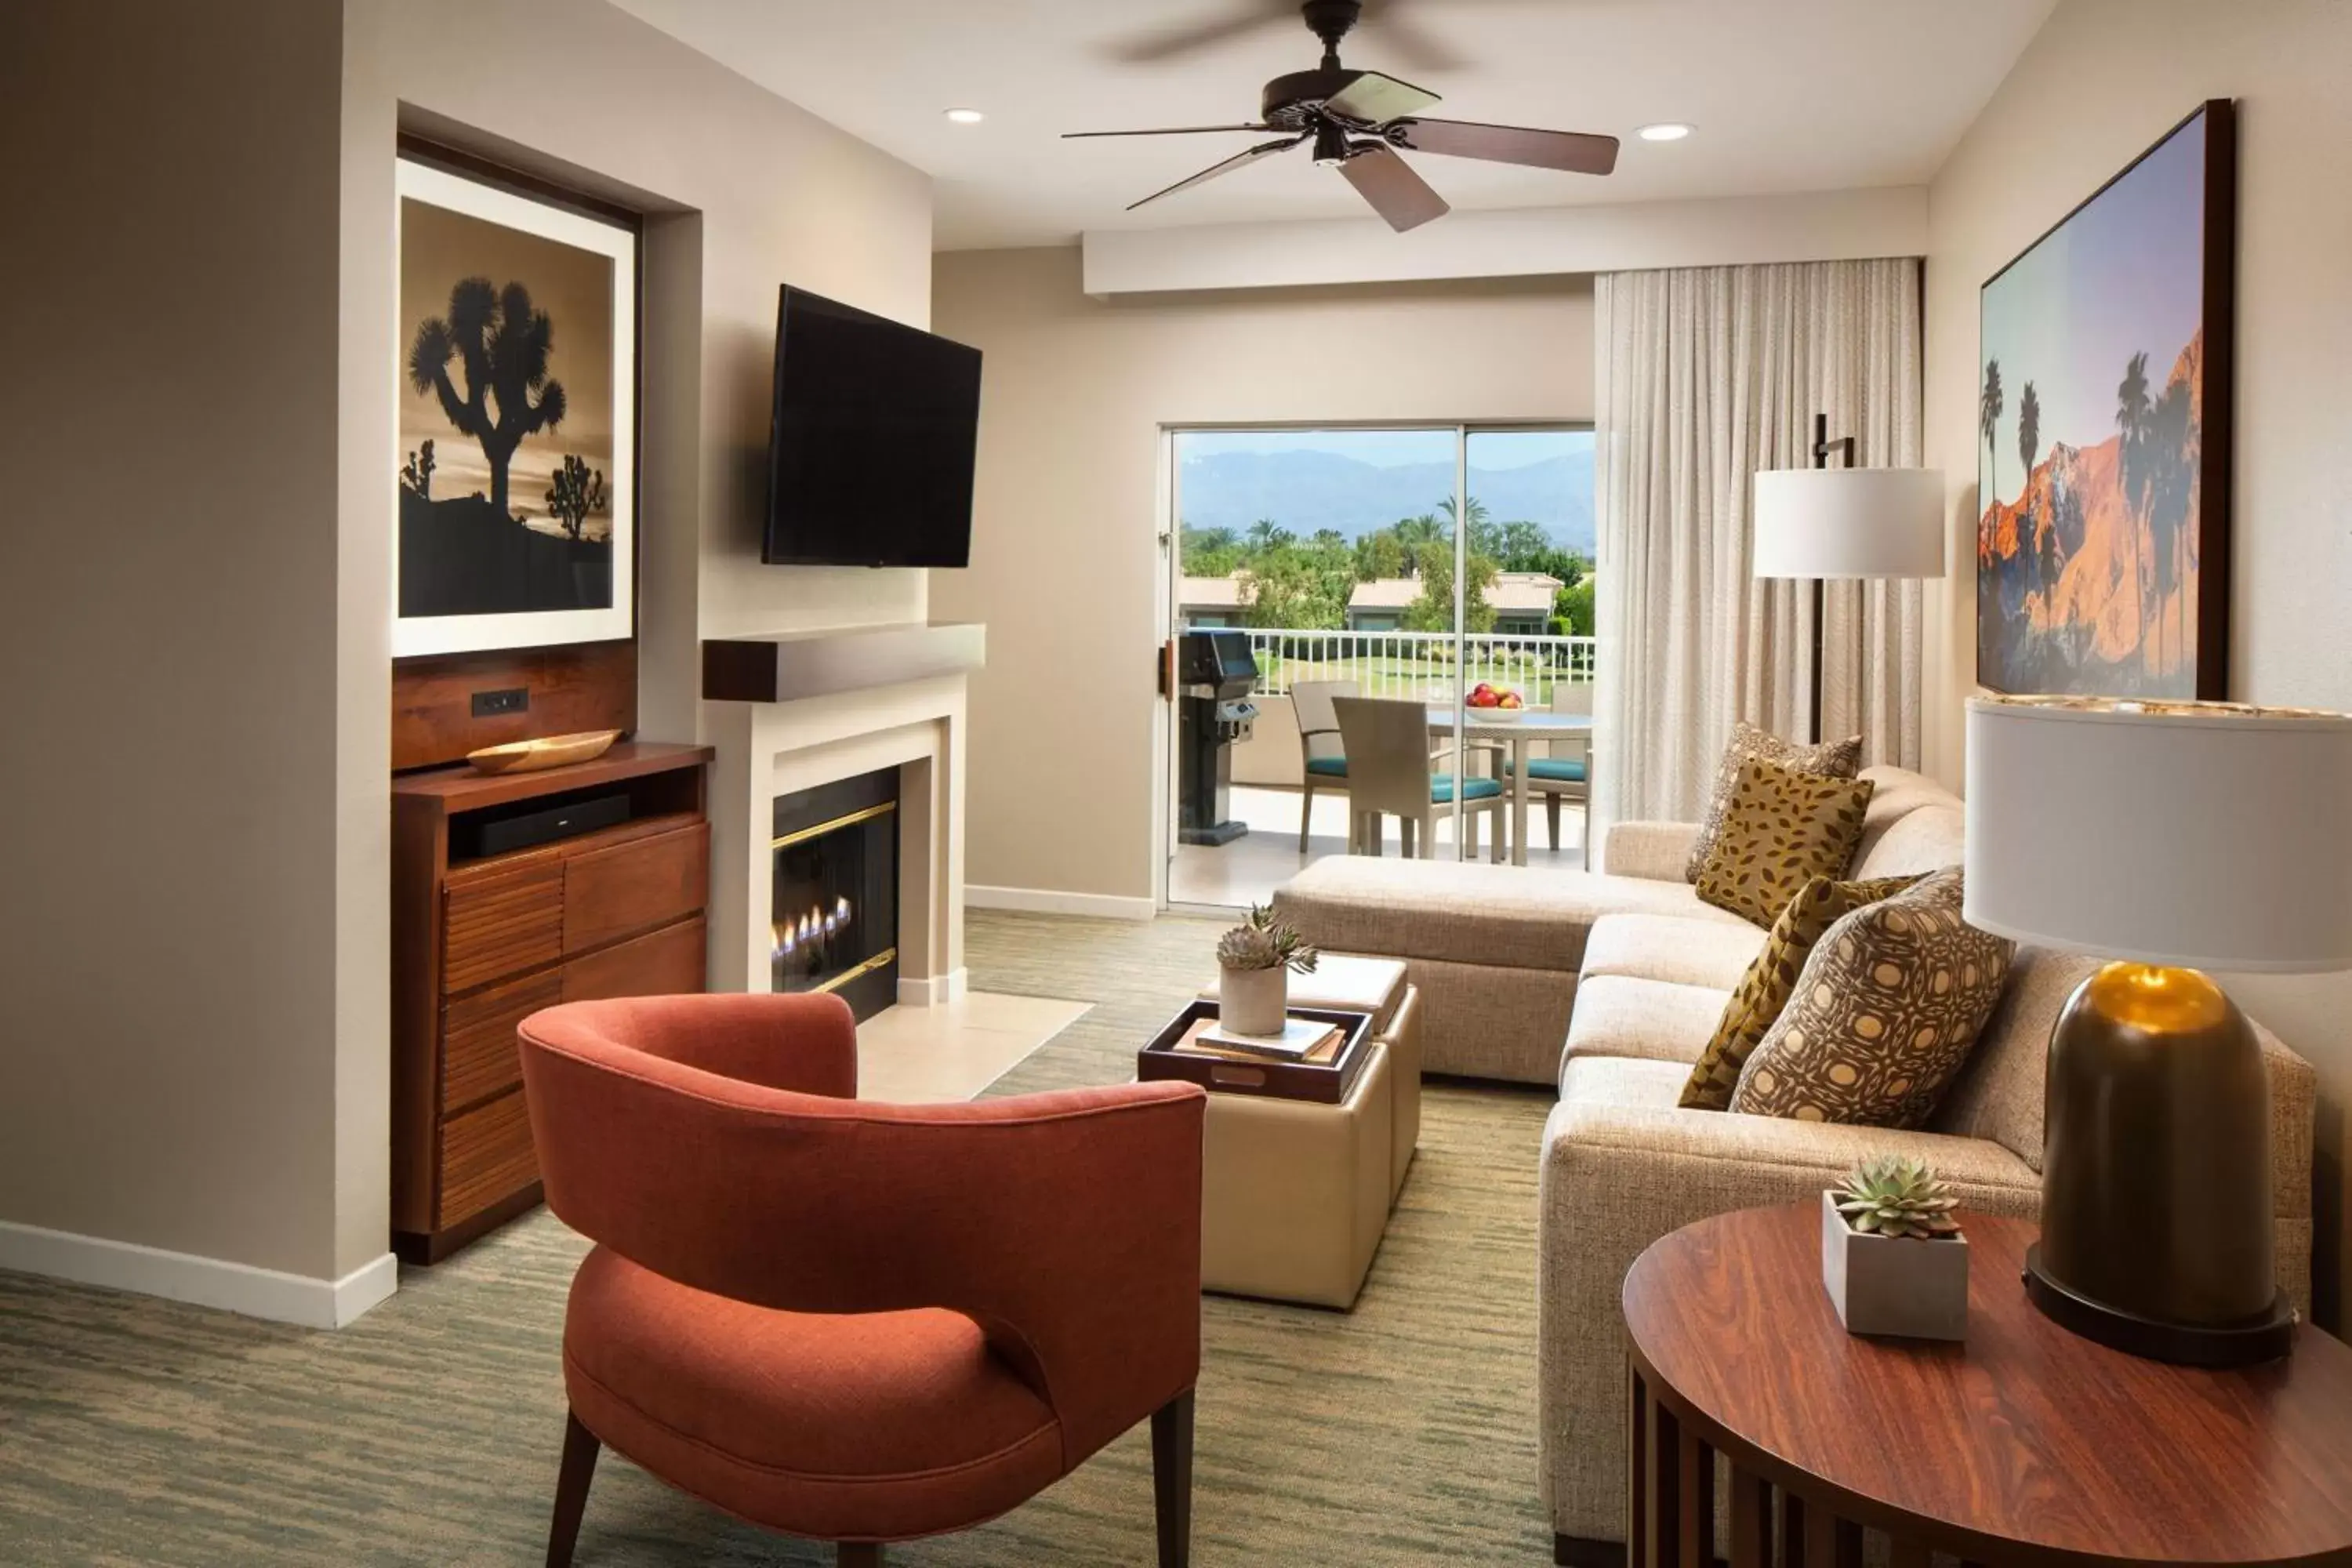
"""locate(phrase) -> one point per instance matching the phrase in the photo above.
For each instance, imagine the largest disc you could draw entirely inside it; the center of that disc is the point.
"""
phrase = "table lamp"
(2158, 836)
(1852, 523)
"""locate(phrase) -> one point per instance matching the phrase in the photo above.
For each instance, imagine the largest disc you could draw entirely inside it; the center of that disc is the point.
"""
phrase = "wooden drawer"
(495, 925)
(486, 1156)
(665, 963)
(478, 1058)
(609, 893)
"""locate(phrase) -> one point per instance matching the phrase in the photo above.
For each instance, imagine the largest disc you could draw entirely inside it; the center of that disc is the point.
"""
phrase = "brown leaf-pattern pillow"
(1883, 1017)
(1782, 829)
(1771, 978)
(1829, 760)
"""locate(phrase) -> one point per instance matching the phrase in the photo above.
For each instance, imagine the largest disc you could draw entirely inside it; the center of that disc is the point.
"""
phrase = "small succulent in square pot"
(1254, 960)
(1893, 1257)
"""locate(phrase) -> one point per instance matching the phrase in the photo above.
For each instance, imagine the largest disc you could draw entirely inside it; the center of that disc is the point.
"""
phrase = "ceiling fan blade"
(1396, 193)
(1569, 150)
(1375, 100)
(1168, 130)
(1263, 150)
(1167, 43)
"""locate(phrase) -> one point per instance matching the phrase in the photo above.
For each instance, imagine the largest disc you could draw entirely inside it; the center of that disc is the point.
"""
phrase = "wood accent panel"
(579, 686)
(453, 790)
(2051, 1450)
(498, 922)
(608, 893)
(666, 962)
(486, 1154)
(478, 1058)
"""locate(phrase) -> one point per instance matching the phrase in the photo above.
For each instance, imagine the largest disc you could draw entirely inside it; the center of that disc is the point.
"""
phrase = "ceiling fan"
(1358, 119)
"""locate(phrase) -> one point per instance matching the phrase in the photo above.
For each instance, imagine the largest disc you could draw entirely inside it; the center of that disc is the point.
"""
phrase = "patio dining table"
(1524, 727)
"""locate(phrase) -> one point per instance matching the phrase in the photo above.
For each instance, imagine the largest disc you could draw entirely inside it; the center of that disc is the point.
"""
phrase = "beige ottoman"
(1374, 985)
(1294, 1195)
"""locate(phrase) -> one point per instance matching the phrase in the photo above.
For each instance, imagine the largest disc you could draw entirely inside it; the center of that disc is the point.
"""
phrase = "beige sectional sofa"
(1608, 984)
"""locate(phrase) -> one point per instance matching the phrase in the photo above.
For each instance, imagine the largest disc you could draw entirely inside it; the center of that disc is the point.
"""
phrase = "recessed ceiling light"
(966, 116)
(1668, 130)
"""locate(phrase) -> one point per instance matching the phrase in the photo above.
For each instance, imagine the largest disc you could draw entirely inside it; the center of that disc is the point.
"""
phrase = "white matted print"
(517, 461)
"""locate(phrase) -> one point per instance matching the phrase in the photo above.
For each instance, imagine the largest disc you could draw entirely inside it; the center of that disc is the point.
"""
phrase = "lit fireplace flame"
(788, 937)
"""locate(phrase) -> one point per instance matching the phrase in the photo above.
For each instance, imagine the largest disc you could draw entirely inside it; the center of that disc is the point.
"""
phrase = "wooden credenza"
(482, 941)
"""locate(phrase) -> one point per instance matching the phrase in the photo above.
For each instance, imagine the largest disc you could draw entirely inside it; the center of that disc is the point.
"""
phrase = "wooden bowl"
(547, 752)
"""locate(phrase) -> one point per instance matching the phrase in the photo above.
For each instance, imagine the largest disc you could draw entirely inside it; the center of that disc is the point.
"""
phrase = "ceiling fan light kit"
(1358, 121)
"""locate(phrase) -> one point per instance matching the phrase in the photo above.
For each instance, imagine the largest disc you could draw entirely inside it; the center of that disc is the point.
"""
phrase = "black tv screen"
(870, 449)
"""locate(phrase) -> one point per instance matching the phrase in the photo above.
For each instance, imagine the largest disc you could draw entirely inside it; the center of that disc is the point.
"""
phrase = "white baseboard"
(937, 991)
(1050, 901)
(281, 1298)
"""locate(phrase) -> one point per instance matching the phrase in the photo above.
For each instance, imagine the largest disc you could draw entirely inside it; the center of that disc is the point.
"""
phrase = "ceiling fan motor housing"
(1295, 102)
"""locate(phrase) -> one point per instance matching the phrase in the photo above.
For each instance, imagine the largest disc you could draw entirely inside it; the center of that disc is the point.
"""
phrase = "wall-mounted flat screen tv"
(870, 448)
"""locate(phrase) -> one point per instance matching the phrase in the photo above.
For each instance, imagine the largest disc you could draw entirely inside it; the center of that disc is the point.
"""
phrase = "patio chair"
(1391, 774)
(1566, 773)
(1321, 756)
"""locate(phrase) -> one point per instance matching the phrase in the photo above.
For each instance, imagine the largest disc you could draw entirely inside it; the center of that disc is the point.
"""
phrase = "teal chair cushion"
(1329, 767)
(1560, 769)
(1441, 789)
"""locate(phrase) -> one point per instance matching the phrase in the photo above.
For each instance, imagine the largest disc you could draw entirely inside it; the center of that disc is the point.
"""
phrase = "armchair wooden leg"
(858, 1555)
(579, 1449)
(1305, 809)
(1172, 1479)
(1551, 817)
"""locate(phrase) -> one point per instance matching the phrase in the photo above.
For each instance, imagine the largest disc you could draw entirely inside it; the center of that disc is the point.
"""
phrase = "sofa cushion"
(1654, 1020)
(1770, 980)
(1782, 829)
(1884, 1017)
(1468, 911)
(1925, 840)
(1831, 759)
(1686, 949)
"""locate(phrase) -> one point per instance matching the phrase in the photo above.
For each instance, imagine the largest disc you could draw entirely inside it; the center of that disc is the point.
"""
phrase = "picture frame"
(2105, 372)
(514, 518)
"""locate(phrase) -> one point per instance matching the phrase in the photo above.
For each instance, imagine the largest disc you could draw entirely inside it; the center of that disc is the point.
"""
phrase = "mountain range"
(1305, 492)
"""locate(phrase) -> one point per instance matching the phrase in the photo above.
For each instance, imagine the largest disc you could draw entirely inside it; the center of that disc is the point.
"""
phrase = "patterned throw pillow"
(1830, 760)
(1782, 829)
(1765, 989)
(1884, 1015)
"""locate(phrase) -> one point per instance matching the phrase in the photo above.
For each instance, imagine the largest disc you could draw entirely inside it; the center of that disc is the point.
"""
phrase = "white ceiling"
(1788, 95)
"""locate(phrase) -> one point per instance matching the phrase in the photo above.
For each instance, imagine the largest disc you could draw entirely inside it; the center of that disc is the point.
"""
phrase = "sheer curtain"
(1705, 375)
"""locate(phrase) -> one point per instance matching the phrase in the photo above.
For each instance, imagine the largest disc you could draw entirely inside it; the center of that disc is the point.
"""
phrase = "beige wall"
(1064, 554)
(2103, 80)
(168, 628)
(194, 612)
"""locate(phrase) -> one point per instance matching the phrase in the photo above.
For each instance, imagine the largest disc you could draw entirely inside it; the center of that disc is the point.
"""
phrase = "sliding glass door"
(1420, 565)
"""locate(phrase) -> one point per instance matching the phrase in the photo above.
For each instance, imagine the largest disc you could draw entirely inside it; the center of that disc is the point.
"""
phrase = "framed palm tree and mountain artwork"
(2103, 424)
(518, 376)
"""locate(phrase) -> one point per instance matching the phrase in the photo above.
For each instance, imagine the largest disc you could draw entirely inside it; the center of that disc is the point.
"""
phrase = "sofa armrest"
(1655, 851)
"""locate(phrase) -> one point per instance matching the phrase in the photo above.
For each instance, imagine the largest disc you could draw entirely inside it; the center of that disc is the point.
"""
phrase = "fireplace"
(832, 917)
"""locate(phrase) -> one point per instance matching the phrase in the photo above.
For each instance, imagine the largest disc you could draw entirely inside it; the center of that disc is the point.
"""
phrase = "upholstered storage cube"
(1295, 1194)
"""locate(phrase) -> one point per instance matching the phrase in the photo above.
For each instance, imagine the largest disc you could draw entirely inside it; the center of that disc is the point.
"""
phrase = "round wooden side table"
(2022, 1445)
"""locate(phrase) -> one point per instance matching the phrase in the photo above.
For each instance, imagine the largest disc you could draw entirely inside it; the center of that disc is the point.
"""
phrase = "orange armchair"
(850, 1321)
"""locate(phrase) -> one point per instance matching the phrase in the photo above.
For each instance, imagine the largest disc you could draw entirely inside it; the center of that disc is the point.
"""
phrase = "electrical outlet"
(506, 700)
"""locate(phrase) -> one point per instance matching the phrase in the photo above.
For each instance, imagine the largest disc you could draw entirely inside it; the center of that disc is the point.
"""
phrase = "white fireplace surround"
(770, 749)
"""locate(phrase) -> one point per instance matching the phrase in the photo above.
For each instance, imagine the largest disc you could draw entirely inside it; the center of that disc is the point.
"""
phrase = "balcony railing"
(1420, 663)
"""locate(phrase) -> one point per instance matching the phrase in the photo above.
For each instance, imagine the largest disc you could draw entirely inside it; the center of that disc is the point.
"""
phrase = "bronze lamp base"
(2157, 1218)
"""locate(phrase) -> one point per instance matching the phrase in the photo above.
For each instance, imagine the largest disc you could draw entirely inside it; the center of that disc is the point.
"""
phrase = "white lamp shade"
(1849, 522)
(2183, 833)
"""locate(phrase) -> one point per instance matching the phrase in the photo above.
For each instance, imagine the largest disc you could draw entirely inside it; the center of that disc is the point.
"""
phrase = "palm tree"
(2168, 484)
(2029, 446)
(2133, 415)
(1422, 530)
(1266, 534)
(1989, 405)
(502, 342)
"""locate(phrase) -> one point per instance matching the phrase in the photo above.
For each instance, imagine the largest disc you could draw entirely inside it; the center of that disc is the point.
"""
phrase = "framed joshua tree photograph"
(2104, 434)
(517, 380)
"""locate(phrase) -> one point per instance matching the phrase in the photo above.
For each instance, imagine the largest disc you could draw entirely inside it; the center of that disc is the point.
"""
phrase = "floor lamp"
(1854, 524)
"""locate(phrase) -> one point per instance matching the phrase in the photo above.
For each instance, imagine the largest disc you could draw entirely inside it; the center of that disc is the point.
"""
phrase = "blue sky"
(2123, 276)
(1394, 448)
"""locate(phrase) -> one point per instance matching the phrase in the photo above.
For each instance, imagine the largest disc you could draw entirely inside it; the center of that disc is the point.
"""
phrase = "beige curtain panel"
(1705, 376)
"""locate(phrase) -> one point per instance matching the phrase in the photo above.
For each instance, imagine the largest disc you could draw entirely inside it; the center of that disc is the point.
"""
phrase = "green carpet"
(139, 1432)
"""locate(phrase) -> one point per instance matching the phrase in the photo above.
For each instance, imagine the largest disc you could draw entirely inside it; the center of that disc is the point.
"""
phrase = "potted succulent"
(1893, 1256)
(1256, 958)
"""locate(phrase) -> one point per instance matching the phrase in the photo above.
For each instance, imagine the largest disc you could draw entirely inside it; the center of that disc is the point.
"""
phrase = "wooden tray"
(1325, 1084)
(547, 752)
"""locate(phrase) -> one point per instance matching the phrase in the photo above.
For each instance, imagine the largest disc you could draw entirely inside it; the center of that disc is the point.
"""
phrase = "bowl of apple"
(1495, 704)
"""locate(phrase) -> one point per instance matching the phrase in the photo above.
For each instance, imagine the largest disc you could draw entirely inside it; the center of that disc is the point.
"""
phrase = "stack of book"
(1301, 1041)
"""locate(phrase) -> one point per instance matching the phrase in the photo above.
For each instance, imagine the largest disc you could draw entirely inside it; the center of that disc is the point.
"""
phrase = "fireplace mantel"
(791, 712)
(799, 665)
